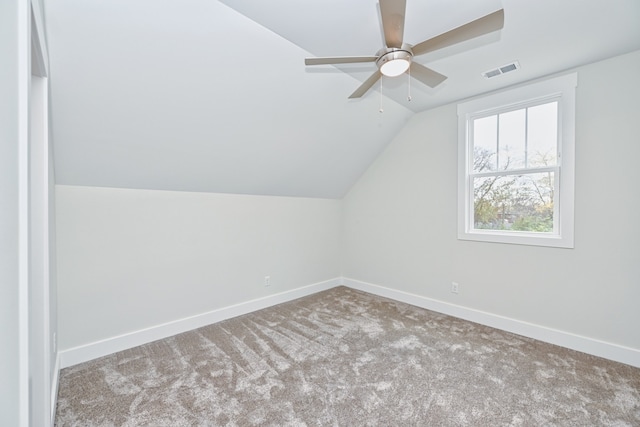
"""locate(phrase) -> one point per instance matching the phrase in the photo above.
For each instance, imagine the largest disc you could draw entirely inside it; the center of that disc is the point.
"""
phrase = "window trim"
(561, 89)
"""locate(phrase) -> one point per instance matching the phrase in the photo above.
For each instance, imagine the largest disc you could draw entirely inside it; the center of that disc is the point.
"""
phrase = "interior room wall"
(11, 32)
(400, 222)
(134, 259)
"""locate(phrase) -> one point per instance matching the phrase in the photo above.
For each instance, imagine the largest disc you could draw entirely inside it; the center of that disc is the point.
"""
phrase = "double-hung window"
(516, 165)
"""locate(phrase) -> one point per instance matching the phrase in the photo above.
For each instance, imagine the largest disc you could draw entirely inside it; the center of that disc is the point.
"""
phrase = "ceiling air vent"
(501, 70)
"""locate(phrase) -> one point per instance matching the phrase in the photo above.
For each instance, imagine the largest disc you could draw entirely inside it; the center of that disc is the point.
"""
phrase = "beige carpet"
(347, 358)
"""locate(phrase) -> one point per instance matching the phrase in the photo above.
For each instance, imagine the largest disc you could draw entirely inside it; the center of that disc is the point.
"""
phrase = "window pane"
(485, 143)
(514, 202)
(512, 140)
(542, 134)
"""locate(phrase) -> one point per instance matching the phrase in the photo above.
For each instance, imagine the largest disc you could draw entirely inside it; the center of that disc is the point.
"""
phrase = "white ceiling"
(203, 95)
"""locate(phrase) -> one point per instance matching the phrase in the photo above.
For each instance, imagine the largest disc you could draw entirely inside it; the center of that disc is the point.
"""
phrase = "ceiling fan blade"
(426, 75)
(364, 87)
(393, 12)
(485, 25)
(339, 60)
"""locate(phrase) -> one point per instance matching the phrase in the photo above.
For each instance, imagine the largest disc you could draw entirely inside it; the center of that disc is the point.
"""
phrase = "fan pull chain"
(381, 110)
(409, 85)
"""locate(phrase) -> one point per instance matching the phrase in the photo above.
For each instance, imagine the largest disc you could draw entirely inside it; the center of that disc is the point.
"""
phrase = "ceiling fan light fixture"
(394, 63)
(395, 67)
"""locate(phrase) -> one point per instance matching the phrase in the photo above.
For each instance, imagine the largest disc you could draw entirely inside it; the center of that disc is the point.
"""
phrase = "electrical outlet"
(267, 280)
(454, 287)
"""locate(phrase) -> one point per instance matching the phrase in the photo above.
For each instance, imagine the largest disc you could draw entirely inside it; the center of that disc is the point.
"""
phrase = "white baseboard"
(108, 346)
(54, 389)
(584, 344)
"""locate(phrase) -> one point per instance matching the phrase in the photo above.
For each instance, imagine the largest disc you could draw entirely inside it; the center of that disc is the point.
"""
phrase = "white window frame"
(561, 89)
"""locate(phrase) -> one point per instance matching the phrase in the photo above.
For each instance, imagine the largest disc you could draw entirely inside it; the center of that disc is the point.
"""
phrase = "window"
(516, 165)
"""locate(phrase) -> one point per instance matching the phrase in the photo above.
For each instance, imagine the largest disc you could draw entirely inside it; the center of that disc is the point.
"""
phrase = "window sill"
(518, 238)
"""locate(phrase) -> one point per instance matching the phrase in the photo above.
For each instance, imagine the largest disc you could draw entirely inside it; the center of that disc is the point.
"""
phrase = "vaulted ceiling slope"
(213, 96)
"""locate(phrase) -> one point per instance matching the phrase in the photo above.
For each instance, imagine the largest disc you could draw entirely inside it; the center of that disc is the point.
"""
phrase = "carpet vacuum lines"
(343, 357)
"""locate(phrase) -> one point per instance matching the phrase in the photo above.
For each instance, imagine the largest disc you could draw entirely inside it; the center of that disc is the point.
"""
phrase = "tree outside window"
(514, 162)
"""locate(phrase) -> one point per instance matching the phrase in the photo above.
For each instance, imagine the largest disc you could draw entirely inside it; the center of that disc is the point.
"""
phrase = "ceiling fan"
(396, 57)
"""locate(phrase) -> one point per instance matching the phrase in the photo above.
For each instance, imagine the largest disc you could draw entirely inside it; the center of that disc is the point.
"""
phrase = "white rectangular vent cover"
(501, 70)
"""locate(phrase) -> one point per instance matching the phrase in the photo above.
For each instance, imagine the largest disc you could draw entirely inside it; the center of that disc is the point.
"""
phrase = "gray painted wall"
(134, 259)
(400, 221)
(9, 128)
